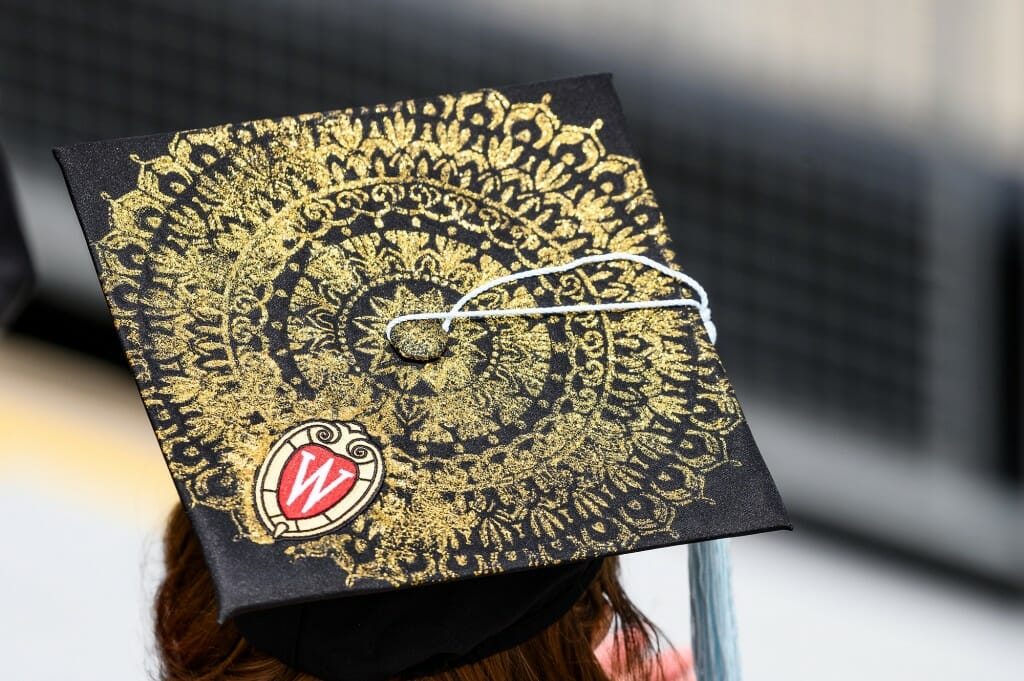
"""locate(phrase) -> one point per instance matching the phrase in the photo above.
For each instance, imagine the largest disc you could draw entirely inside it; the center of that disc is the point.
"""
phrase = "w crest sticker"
(317, 477)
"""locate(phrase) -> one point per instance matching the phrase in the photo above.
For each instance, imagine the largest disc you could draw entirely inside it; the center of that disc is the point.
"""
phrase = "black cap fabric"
(417, 631)
(251, 270)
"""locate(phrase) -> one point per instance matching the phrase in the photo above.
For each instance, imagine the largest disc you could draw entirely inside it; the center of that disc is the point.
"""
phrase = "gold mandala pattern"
(254, 267)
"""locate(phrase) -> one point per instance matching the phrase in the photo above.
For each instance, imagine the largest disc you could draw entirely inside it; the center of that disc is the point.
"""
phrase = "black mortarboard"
(16, 275)
(252, 271)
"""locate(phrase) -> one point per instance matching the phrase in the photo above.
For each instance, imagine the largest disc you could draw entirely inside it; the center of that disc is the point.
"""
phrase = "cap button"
(419, 340)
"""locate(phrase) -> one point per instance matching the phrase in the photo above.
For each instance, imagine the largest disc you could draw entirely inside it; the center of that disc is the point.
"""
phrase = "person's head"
(194, 647)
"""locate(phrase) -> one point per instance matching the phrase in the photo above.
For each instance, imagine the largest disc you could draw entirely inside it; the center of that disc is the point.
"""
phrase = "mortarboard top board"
(252, 270)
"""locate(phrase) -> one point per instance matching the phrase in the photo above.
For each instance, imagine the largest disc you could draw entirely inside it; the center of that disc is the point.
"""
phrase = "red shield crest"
(317, 477)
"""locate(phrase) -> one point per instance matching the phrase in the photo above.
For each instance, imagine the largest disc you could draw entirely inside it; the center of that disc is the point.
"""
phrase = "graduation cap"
(416, 368)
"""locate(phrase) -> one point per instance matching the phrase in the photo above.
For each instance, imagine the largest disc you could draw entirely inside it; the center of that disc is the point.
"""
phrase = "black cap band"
(419, 630)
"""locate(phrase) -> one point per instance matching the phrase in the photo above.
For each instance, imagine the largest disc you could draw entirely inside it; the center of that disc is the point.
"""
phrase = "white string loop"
(456, 312)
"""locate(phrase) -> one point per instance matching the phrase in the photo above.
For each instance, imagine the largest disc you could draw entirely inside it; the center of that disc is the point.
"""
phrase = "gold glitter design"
(254, 267)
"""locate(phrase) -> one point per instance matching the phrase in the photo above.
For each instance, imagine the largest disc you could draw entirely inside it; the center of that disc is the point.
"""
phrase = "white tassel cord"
(456, 312)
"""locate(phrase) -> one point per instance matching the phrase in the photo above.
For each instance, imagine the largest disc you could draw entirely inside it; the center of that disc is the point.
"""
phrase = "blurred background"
(845, 177)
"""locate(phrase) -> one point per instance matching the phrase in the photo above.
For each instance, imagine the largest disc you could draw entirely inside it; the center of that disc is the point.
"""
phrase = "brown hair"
(194, 647)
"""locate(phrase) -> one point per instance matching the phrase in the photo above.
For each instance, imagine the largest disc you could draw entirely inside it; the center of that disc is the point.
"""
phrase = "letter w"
(316, 481)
